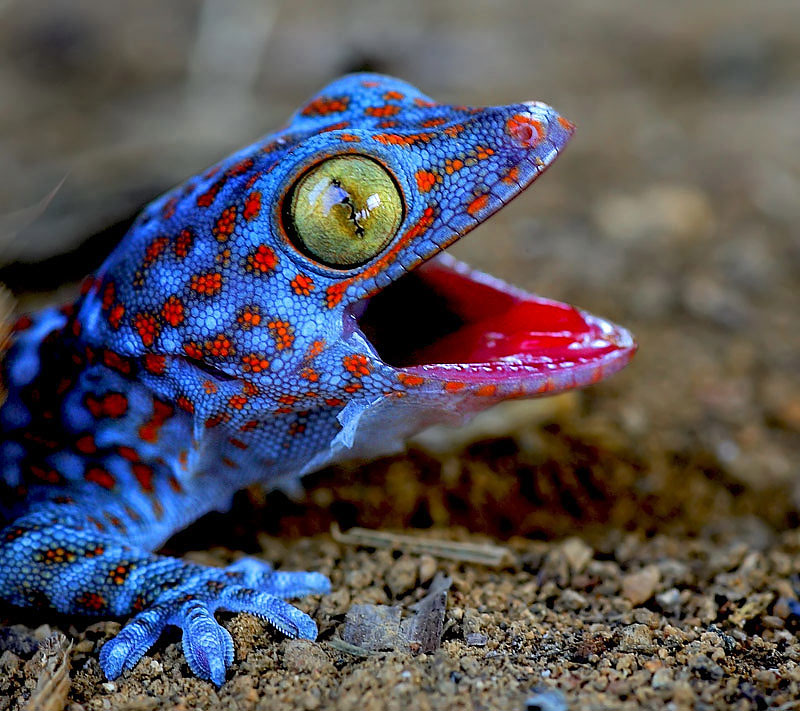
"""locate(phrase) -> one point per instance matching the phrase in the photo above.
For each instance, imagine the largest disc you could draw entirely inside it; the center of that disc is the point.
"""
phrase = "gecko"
(287, 309)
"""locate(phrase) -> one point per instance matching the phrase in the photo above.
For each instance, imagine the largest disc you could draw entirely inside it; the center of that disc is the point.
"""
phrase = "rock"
(639, 587)
(302, 657)
(402, 576)
(636, 638)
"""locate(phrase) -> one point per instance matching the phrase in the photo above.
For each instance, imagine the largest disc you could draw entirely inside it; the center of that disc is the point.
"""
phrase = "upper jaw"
(457, 330)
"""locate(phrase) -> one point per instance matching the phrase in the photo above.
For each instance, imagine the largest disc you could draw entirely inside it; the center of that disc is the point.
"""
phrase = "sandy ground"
(651, 522)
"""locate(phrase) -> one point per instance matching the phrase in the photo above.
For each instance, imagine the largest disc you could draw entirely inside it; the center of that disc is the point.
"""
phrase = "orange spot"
(262, 260)
(323, 105)
(425, 180)
(396, 139)
(478, 204)
(302, 285)
(382, 111)
(220, 347)
(565, 124)
(206, 284)
(451, 165)
(154, 249)
(147, 327)
(237, 402)
(410, 380)
(183, 244)
(283, 333)
(357, 364)
(225, 224)
(155, 363)
(393, 96)
(252, 205)
(511, 177)
(254, 363)
(193, 350)
(486, 390)
(172, 310)
(453, 387)
(432, 123)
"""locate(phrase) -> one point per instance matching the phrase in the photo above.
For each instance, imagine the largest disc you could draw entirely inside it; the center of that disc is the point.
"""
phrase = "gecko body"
(284, 310)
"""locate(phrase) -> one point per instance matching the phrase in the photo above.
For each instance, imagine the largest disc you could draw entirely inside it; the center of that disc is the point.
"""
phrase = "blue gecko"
(282, 311)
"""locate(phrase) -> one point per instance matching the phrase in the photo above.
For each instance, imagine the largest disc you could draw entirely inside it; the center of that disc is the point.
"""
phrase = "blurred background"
(674, 211)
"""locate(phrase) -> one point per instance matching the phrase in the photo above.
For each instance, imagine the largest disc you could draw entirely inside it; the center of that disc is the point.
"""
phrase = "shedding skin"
(212, 350)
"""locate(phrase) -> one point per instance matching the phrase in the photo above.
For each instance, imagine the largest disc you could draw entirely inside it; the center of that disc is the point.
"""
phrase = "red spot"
(184, 403)
(23, 323)
(220, 347)
(237, 402)
(116, 361)
(254, 363)
(526, 131)
(86, 444)
(91, 601)
(478, 204)
(184, 243)
(249, 318)
(335, 126)
(382, 111)
(238, 443)
(263, 260)
(210, 195)
(98, 475)
(225, 224)
(154, 250)
(396, 139)
(511, 177)
(216, 420)
(155, 363)
(172, 311)
(112, 405)
(207, 284)
(144, 475)
(115, 316)
(168, 211)
(410, 380)
(357, 364)
(252, 206)
(128, 453)
(193, 350)
(148, 328)
(393, 96)
(323, 105)
(566, 125)
(283, 333)
(302, 285)
(150, 430)
(425, 180)
(335, 292)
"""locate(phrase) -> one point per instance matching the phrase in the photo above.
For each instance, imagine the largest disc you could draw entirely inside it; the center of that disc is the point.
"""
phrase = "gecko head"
(369, 205)
(305, 270)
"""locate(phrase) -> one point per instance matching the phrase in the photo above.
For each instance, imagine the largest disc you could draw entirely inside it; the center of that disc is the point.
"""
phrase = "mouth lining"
(445, 320)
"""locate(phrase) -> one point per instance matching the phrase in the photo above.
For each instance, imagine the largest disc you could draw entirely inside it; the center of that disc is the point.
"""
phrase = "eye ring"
(343, 211)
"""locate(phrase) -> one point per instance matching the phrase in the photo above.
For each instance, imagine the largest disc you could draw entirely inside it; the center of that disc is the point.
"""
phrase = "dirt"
(651, 521)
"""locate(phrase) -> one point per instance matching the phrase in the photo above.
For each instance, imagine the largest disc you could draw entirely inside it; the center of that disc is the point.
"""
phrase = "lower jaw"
(447, 322)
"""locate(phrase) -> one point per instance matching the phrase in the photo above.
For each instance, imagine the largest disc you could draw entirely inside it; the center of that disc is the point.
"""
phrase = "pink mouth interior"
(443, 318)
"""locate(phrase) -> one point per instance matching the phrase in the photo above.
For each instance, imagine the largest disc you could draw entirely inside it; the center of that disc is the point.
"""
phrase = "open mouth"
(445, 321)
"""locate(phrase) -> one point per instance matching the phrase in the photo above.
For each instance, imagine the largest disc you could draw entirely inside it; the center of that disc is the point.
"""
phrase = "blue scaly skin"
(245, 330)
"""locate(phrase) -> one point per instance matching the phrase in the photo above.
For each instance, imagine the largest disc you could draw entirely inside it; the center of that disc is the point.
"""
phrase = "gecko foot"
(246, 586)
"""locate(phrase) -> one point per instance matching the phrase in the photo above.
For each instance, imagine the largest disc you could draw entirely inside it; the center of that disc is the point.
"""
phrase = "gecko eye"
(343, 211)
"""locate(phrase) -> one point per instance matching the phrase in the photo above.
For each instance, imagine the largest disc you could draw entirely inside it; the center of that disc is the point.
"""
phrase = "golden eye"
(343, 211)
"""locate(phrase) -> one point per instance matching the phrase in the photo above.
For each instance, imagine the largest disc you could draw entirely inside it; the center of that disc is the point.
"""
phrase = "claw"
(207, 645)
(130, 645)
(281, 615)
